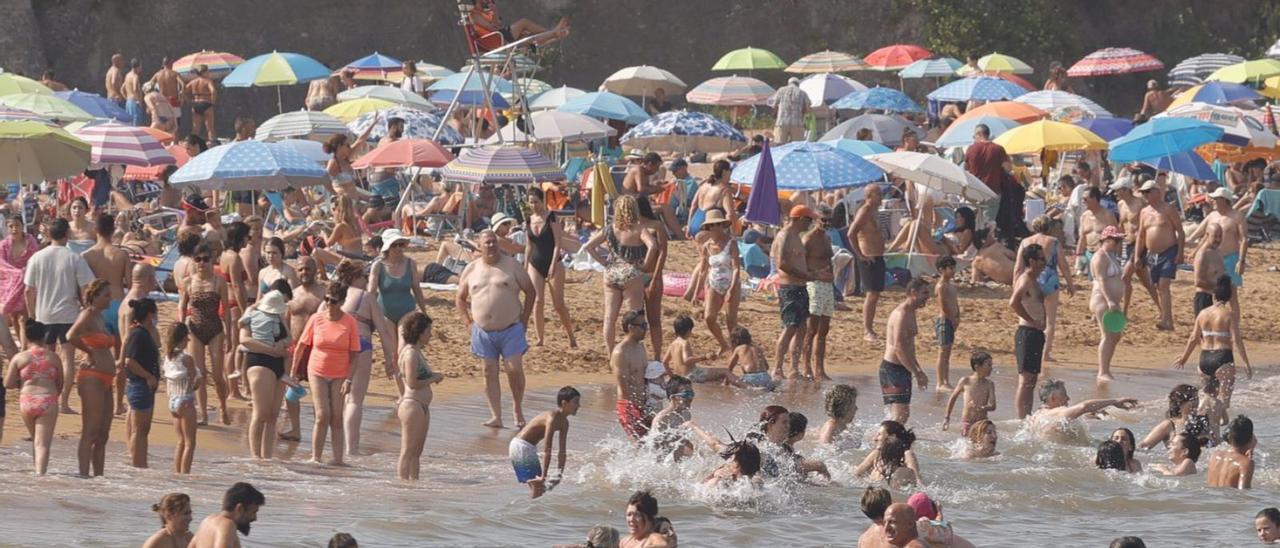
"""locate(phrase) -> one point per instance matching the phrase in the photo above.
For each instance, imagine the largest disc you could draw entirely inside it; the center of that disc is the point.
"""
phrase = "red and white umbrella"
(1109, 61)
(895, 57)
(114, 143)
(730, 91)
(405, 153)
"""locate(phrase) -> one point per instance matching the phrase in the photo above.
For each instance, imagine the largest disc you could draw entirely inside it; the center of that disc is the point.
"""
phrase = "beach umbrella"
(33, 151)
(749, 59)
(418, 124)
(1110, 61)
(933, 172)
(405, 153)
(1163, 136)
(471, 97)
(1186, 163)
(520, 64)
(977, 88)
(11, 84)
(1193, 70)
(501, 165)
(1051, 100)
(387, 93)
(604, 104)
(554, 97)
(886, 130)
(11, 114)
(861, 148)
(313, 150)
(423, 71)
(158, 134)
(96, 105)
(48, 106)
(825, 62)
(1248, 71)
(1018, 112)
(944, 67)
(530, 87)
(1238, 129)
(762, 203)
(114, 143)
(642, 81)
(1274, 51)
(456, 81)
(1271, 87)
(219, 64)
(1048, 135)
(301, 124)
(376, 62)
(249, 165)
(470, 90)
(960, 134)
(826, 88)
(810, 166)
(999, 62)
(347, 111)
(553, 126)
(276, 69)
(878, 98)
(730, 91)
(684, 131)
(1216, 93)
(1107, 128)
(153, 173)
(895, 57)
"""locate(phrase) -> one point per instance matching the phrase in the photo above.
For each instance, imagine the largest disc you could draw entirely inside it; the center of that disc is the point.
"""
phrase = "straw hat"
(714, 217)
(499, 218)
(390, 237)
(273, 303)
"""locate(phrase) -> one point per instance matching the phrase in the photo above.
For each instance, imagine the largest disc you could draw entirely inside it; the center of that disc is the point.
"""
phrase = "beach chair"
(1263, 217)
(164, 265)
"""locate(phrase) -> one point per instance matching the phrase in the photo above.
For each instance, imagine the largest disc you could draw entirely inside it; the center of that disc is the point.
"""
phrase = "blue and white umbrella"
(1193, 70)
(1053, 100)
(811, 166)
(250, 165)
(473, 92)
(454, 82)
(960, 134)
(417, 125)
(604, 104)
(879, 98)
(826, 88)
(861, 148)
(886, 130)
(944, 67)
(684, 131)
(978, 88)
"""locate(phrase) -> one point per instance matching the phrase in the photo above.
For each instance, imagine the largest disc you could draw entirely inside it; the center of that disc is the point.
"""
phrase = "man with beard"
(306, 301)
(239, 509)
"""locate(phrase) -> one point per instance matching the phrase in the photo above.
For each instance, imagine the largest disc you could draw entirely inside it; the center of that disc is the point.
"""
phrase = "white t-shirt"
(413, 84)
(57, 273)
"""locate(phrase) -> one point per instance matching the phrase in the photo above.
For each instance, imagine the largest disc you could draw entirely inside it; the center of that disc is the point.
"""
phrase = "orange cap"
(803, 211)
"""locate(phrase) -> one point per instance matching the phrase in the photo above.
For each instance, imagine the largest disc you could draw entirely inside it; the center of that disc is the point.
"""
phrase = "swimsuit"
(793, 304)
(822, 298)
(395, 294)
(945, 330)
(1213, 360)
(1229, 262)
(180, 385)
(895, 383)
(625, 261)
(542, 244)
(33, 406)
(204, 321)
(1163, 264)
(499, 343)
(111, 317)
(524, 459)
(259, 322)
(199, 107)
(631, 417)
(759, 379)
(695, 220)
(1048, 279)
(1028, 348)
(720, 271)
(872, 274)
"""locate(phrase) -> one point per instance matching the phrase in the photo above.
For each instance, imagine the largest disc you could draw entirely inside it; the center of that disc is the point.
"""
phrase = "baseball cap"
(1222, 192)
(802, 211)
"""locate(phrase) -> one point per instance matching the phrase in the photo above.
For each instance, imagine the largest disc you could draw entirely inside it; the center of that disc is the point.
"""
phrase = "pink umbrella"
(115, 143)
(895, 57)
(405, 153)
(1108, 61)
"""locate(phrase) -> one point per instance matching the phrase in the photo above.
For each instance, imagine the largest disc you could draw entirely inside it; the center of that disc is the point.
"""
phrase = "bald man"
(900, 527)
(114, 80)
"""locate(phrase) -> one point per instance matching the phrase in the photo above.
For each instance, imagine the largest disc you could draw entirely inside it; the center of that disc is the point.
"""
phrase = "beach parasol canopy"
(405, 153)
(935, 173)
(33, 151)
(11, 84)
(530, 87)
(553, 126)
(730, 91)
(48, 106)
(895, 57)
(1248, 71)
(811, 166)
(387, 93)
(749, 59)
(1216, 93)
(824, 89)
(1163, 136)
(276, 69)
(1238, 129)
(423, 71)
(977, 88)
(1186, 163)
(1044, 135)
(418, 124)
(999, 62)
(348, 111)
(825, 62)
(604, 104)
(250, 165)
(472, 93)
(1018, 112)
(311, 149)
(1111, 61)
(1107, 128)
(153, 173)
(878, 98)
(1193, 70)
(642, 81)
(861, 148)
(762, 203)
(683, 131)
(10, 114)
(375, 62)
(944, 67)
(219, 64)
(302, 124)
(960, 134)
(502, 165)
(886, 130)
(1051, 100)
(96, 105)
(114, 143)
(554, 97)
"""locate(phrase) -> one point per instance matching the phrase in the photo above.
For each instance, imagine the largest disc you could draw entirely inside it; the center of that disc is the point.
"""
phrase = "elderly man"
(900, 527)
(1235, 239)
(114, 80)
(489, 300)
(1160, 243)
(868, 247)
(790, 105)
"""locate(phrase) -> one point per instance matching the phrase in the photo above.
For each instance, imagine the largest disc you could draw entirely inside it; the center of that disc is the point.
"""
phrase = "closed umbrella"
(825, 62)
(1193, 70)
(553, 126)
(895, 57)
(1216, 93)
(302, 124)
(1107, 128)
(12, 83)
(730, 91)
(762, 203)
(878, 98)
(1051, 100)
(604, 104)
(276, 69)
(1018, 112)
(977, 88)
(824, 89)
(642, 80)
(554, 97)
(1111, 61)
(387, 93)
(749, 59)
(219, 64)
(48, 106)
(944, 67)
(418, 124)
(934, 172)
(502, 165)
(33, 151)
(1255, 71)
(348, 111)
(886, 130)
(1049, 135)
(249, 165)
(1163, 136)
(94, 104)
(405, 153)
(685, 132)
(960, 134)
(811, 166)
(113, 143)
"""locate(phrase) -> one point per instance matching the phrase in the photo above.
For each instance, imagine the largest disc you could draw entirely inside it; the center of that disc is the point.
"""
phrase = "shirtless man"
(114, 79)
(994, 261)
(1048, 421)
(203, 93)
(131, 88)
(1232, 465)
(868, 247)
(1160, 244)
(1027, 302)
(523, 449)
(1093, 219)
(900, 527)
(488, 299)
(1235, 240)
(170, 83)
(1207, 267)
(629, 362)
(875, 501)
(899, 363)
(47, 78)
(948, 320)
(306, 301)
(111, 263)
(639, 181)
(239, 510)
(1130, 207)
(822, 296)
(788, 253)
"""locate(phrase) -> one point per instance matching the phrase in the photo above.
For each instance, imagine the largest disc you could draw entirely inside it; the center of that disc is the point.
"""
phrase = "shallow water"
(1035, 494)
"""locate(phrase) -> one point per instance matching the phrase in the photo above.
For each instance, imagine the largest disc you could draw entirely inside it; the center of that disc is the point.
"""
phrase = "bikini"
(180, 385)
(33, 406)
(255, 359)
(203, 320)
(1213, 360)
(543, 245)
(97, 341)
(1049, 276)
(366, 344)
(623, 266)
(422, 372)
(720, 271)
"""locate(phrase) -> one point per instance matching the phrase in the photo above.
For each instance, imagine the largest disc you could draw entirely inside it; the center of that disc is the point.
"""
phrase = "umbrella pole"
(453, 104)
(911, 246)
(279, 101)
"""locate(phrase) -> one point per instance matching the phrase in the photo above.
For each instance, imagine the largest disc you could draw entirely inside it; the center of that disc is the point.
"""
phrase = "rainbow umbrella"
(895, 57)
(48, 106)
(749, 59)
(1049, 135)
(730, 91)
(348, 111)
(12, 83)
(219, 63)
(113, 143)
(94, 104)
(825, 61)
(276, 69)
(33, 151)
(762, 203)
(502, 165)
(1109, 61)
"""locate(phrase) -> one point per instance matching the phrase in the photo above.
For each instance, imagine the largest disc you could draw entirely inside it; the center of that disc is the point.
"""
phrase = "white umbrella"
(933, 172)
(387, 93)
(553, 98)
(301, 124)
(886, 130)
(1240, 129)
(554, 126)
(1051, 100)
(642, 81)
(824, 89)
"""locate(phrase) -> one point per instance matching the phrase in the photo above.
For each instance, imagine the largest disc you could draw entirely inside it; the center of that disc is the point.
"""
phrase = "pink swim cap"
(923, 505)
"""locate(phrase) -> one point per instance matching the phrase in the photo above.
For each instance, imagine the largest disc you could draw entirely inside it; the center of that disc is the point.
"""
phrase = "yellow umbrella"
(12, 83)
(1248, 71)
(1049, 135)
(32, 151)
(1271, 87)
(999, 62)
(348, 111)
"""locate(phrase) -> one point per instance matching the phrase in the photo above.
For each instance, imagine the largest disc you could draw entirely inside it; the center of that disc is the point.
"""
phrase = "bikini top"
(421, 369)
(98, 340)
(39, 369)
(634, 254)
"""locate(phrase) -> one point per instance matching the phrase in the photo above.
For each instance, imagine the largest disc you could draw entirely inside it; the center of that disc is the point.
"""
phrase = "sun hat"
(498, 219)
(1112, 232)
(273, 303)
(390, 237)
(714, 217)
(1151, 184)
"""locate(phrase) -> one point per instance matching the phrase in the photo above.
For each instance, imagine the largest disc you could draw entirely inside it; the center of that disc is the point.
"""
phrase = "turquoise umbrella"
(604, 104)
(961, 134)
(1163, 137)
(944, 67)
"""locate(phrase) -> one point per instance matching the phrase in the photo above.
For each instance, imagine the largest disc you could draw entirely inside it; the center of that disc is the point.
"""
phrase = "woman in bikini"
(368, 315)
(1216, 332)
(141, 361)
(232, 268)
(82, 229)
(413, 409)
(341, 174)
(38, 372)
(543, 237)
(181, 378)
(653, 286)
(718, 258)
(202, 294)
(203, 93)
(277, 268)
(334, 342)
(631, 247)
(1044, 227)
(96, 376)
(264, 337)
(1107, 294)
(15, 250)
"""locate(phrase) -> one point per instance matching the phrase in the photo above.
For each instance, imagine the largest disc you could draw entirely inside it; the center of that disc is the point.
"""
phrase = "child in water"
(681, 360)
(982, 440)
(755, 367)
(523, 449)
(841, 406)
(979, 394)
(667, 432)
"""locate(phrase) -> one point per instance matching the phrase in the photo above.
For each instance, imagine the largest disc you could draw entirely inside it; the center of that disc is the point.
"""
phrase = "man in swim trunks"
(1206, 268)
(900, 363)
(114, 79)
(1235, 239)
(1027, 302)
(788, 253)
(131, 88)
(868, 246)
(488, 299)
(54, 277)
(523, 448)
(822, 296)
(629, 362)
(1130, 207)
(1093, 219)
(1160, 243)
(169, 82)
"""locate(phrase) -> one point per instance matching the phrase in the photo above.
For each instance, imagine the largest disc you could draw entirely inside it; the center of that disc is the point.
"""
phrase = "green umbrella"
(749, 59)
(1248, 71)
(48, 106)
(12, 83)
(32, 151)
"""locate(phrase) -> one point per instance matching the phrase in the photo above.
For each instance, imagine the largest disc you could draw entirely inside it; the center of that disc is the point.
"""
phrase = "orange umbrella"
(152, 173)
(405, 153)
(159, 134)
(1231, 153)
(1019, 112)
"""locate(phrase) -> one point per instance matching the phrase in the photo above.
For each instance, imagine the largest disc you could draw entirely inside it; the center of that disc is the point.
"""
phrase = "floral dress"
(12, 290)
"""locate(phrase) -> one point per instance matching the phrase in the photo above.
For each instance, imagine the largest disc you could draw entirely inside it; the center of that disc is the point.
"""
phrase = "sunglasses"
(201, 259)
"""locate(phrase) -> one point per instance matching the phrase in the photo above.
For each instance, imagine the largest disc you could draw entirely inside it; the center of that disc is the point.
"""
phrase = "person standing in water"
(1232, 466)
(307, 297)
(900, 363)
(944, 326)
(414, 407)
(1107, 296)
(1216, 332)
(822, 296)
(1235, 239)
(979, 394)
(628, 363)
(1027, 302)
(523, 449)
(1206, 267)
(111, 263)
(54, 277)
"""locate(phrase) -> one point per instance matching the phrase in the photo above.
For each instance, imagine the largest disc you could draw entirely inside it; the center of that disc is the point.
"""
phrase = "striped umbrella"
(10, 114)
(405, 153)
(417, 125)
(977, 88)
(1193, 70)
(219, 63)
(827, 88)
(140, 173)
(825, 61)
(12, 83)
(553, 98)
(502, 165)
(604, 104)
(301, 124)
(250, 165)
(878, 98)
(94, 104)
(1049, 100)
(114, 143)
(1109, 61)
(684, 131)
(895, 57)
(730, 91)
(53, 108)
(276, 69)
(931, 68)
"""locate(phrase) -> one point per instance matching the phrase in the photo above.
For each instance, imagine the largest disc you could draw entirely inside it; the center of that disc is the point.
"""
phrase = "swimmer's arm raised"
(1158, 434)
(715, 444)
(864, 467)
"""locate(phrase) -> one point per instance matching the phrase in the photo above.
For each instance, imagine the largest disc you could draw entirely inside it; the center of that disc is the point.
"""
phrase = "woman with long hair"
(1128, 442)
(341, 174)
(1044, 228)
(368, 318)
(233, 271)
(181, 377)
(982, 440)
(344, 238)
(175, 522)
(333, 341)
(1181, 417)
(631, 247)
(653, 286)
(82, 229)
(1216, 332)
(414, 407)
(141, 357)
(264, 336)
(96, 376)
(276, 269)
(15, 250)
(37, 372)
(543, 237)
(203, 294)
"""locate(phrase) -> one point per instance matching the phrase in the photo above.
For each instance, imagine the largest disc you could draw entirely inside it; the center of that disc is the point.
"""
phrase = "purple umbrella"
(762, 205)
(1107, 128)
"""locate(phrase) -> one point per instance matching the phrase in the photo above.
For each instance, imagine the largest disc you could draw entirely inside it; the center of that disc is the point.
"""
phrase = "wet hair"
(770, 415)
(141, 309)
(1222, 289)
(1180, 395)
(840, 401)
(237, 236)
(348, 271)
(739, 336)
(175, 338)
(277, 243)
(970, 220)
(676, 384)
(1128, 436)
(978, 357)
(413, 325)
(1111, 456)
(343, 540)
(242, 494)
(626, 211)
(331, 146)
(1192, 444)
(171, 504)
(683, 325)
(875, 501)
(891, 456)
(1239, 431)
(58, 228)
(196, 141)
(895, 429)
(746, 455)
(978, 430)
(945, 261)
(105, 224)
(799, 424)
(1049, 386)
(188, 239)
(93, 289)
(644, 503)
(1032, 251)
(1128, 542)
(1272, 514)
(567, 394)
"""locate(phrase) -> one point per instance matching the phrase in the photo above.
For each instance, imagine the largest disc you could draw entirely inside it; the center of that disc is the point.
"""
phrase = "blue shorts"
(524, 459)
(140, 396)
(759, 379)
(1164, 264)
(135, 111)
(111, 317)
(1229, 262)
(945, 331)
(504, 343)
